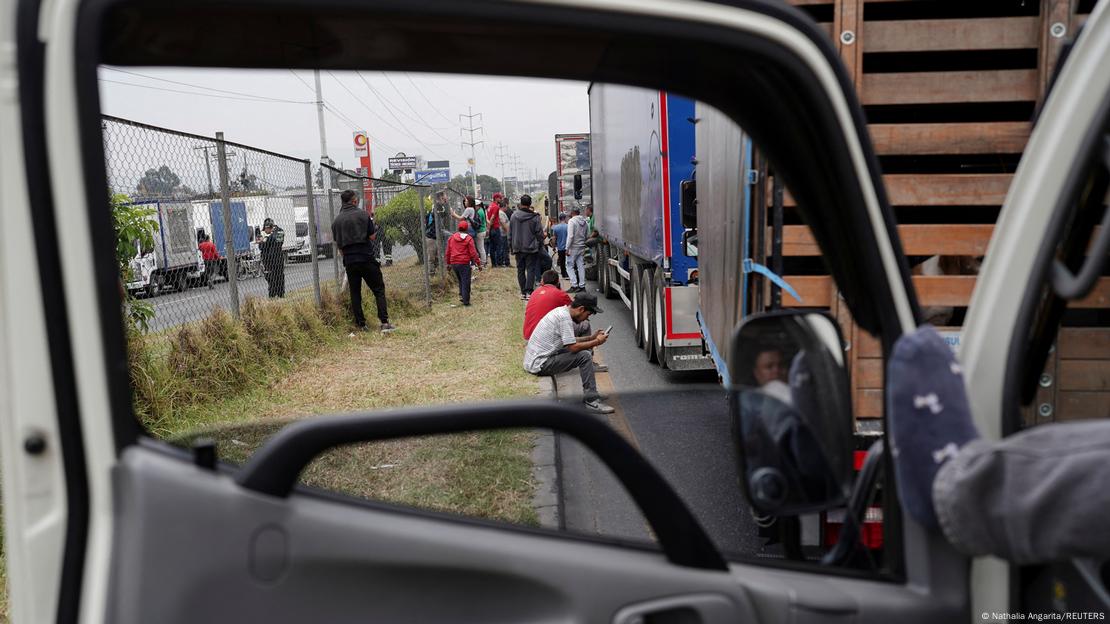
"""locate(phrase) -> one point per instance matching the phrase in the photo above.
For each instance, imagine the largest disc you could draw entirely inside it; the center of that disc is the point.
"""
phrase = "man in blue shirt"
(560, 242)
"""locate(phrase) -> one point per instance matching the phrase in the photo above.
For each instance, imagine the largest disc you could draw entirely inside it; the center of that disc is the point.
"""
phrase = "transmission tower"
(469, 130)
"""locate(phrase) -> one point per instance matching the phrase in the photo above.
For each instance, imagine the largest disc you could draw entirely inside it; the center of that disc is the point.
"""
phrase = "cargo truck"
(174, 260)
(642, 149)
(572, 162)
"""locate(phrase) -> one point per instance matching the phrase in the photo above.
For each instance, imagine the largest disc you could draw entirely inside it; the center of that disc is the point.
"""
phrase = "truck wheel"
(178, 281)
(647, 316)
(659, 327)
(637, 305)
(607, 272)
(154, 288)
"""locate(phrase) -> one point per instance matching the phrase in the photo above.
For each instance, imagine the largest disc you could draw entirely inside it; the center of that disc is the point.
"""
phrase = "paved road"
(193, 304)
(681, 427)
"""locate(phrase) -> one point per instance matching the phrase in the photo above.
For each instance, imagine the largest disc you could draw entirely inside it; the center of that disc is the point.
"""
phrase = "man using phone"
(553, 348)
(545, 299)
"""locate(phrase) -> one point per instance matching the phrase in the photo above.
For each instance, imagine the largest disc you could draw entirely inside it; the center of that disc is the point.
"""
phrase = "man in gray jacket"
(526, 235)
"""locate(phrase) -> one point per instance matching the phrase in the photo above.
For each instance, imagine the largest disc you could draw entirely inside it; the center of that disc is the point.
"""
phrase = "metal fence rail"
(236, 221)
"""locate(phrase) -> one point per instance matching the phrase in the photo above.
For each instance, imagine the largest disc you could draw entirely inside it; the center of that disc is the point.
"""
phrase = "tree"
(487, 185)
(161, 182)
(389, 174)
(134, 228)
(403, 222)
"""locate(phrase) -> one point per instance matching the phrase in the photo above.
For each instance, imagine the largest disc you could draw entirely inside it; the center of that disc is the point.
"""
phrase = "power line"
(196, 86)
(405, 131)
(389, 106)
(434, 107)
(418, 118)
(211, 95)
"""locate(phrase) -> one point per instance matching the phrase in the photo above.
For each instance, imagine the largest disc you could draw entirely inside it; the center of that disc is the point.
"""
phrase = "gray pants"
(1038, 496)
(564, 361)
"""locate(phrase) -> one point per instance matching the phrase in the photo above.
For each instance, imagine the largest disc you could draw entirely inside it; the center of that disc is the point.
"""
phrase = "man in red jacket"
(211, 257)
(545, 299)
(461, 253)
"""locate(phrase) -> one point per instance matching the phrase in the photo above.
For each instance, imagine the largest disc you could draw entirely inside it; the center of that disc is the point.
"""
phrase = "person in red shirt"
(545, 299)
(211, 257)
(493, 216)
(461, 253)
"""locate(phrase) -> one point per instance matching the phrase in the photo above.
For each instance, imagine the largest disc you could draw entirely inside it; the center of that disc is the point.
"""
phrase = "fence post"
(334, 244)
(229, 238)
(427, 261)
(440, 249)
(313, 239)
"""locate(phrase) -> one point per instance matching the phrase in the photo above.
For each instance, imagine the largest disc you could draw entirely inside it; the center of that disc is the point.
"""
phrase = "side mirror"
(689, 203)
(578, 186)
(791, 412)
(690, 243)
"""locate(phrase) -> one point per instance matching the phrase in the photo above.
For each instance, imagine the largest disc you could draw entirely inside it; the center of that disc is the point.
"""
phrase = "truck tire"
(154, 288)
(637, 302)
(647, 320)
(659, 320)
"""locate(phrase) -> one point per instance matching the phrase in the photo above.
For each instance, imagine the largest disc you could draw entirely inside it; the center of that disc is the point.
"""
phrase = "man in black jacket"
(526, 235)
(354, 233)
(273, 257)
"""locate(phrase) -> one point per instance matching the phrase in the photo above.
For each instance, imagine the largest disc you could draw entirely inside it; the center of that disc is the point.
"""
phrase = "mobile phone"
(607, 330)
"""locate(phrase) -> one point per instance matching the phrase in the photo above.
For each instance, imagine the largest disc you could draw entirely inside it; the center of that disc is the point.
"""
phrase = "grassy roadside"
(450, 354)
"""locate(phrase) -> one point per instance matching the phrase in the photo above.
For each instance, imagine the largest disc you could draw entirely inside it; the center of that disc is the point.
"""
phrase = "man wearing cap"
(273, 257)
(354, 233)
(461, 254)
(553, 348)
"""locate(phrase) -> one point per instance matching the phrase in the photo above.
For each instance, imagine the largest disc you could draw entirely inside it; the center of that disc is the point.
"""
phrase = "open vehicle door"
(104, 523)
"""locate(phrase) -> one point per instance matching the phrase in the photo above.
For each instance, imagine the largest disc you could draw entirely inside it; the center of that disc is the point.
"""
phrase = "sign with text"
(433, 176)
(402, 162)
(362, 143)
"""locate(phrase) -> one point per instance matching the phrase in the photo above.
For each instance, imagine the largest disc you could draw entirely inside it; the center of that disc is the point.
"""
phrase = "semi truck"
(642, 149)
(572, 163)
(174, 260)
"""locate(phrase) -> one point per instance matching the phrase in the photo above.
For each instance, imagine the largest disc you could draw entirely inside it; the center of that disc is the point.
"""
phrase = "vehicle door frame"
(95, 341)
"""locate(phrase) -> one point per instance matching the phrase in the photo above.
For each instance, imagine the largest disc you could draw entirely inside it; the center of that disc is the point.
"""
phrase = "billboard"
(362, 144)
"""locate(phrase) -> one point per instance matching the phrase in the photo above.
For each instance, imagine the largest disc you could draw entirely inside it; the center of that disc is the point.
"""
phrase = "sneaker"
(595, 405)
(600, 368)
(523, 297)
(387, 328)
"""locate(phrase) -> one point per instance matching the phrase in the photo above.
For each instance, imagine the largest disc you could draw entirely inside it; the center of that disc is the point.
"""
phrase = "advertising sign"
(402, 162)
(362, 143)
(433, 176)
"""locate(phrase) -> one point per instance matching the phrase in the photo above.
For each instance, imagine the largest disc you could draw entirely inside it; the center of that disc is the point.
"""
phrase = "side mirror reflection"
(791, 412)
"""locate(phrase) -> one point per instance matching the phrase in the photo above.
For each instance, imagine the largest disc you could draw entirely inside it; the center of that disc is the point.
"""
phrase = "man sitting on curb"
(554, 348)
(545, 299)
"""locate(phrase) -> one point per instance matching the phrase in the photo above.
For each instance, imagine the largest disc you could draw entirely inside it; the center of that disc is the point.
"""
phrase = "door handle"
(688, 609)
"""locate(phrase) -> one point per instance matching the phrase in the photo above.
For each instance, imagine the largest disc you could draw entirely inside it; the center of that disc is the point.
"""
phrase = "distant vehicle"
(641, 152)
(572, 158)
(174, 260)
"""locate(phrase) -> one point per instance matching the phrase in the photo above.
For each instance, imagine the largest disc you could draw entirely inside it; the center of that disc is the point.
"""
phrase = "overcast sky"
(417, 114)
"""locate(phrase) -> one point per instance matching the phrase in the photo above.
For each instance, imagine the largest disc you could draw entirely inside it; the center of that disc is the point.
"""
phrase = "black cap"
(586, 300)
(268, 222)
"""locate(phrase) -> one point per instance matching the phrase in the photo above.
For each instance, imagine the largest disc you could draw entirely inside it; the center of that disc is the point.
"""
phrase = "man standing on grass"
(527, 239)
(493, 215)
(461, 253)
(354, 233)
(577, 232)
(554, 348)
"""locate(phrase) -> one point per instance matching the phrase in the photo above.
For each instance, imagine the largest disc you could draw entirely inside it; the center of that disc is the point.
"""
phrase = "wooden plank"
(1099, 297)
(826, 27)
(1086, 375)
(847, 31)
(869, 403)
(996, 33)
(950, 138)
(1054, 13)
(1010, 85)
(869, 373)
(868, 346)
(946, 290)
(1082, 405)
(945, 189)
(1086, 343)
(816, 291)
(978, 189)
(917, 240)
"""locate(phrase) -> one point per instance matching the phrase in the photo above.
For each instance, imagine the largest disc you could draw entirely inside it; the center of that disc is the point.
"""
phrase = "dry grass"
(446, 355)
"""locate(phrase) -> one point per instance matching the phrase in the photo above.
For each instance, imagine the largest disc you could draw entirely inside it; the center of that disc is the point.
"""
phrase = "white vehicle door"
(106, 523)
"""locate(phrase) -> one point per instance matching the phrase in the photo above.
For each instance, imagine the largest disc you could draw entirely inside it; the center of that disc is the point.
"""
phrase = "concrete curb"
(546, 468)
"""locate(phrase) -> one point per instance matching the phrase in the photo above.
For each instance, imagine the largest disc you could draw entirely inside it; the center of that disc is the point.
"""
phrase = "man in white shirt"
(578, 230)
(554, 349)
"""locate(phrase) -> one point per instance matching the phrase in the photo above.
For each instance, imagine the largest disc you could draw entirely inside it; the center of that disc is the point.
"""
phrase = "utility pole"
(207, 167)
(500, 161)
(320, 120)
(470, 129)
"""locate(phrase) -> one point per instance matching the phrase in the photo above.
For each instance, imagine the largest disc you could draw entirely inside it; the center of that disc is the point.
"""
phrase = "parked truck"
(642, 149)
(572, 162)
(174, 260)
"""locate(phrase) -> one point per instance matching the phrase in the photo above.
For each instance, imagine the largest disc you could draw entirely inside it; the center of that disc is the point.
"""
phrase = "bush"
(403, 222)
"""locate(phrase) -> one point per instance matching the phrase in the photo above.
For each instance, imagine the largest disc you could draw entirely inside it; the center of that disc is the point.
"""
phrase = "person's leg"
(281, 280)
(563, 263)
(432, 251)
(532, 262)
(354, 281)
(521, 272)
(464, 283)
(376, 283)
(480, 239)
(580, 268)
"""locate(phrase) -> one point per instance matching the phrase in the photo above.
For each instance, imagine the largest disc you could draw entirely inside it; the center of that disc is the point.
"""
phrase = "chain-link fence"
(235, 221)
